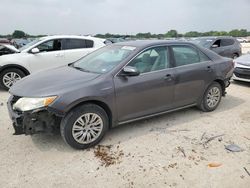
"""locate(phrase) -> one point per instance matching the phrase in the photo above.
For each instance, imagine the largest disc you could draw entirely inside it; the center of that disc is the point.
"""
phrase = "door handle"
(209, 69)
(168, 77)
(58, 55)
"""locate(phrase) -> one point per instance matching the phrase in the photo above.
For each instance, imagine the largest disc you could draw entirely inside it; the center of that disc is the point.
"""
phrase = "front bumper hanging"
(32, 122)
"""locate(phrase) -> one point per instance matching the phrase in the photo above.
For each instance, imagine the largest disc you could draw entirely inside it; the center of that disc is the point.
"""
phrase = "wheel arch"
(100, 103)
(26, 72)
(222, 84)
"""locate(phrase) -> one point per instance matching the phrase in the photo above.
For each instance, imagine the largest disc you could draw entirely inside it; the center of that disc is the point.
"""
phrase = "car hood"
(13, 48)
(243, 60)
(52, 82)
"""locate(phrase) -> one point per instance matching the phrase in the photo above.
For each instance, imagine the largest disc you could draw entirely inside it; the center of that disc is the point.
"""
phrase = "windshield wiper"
(81, 69)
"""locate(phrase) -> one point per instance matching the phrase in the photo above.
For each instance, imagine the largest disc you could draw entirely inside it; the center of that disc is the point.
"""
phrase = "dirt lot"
(173, 150)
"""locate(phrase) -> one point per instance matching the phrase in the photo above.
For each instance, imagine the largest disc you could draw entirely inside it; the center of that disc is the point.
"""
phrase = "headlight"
(26, 104)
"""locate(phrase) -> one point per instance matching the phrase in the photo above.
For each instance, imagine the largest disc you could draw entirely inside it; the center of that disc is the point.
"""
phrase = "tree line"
(175, 34)
(170, 34)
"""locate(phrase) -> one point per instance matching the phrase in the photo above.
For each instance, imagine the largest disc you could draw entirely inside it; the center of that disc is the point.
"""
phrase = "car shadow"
(46, 142)
(241, 83)
(166, 123)
(123, 133)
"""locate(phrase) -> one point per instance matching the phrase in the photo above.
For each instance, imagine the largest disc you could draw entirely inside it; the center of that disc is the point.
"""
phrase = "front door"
(51, 55)
(150, 92)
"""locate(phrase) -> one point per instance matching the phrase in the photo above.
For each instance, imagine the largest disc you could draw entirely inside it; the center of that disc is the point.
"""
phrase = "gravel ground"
(172, 150)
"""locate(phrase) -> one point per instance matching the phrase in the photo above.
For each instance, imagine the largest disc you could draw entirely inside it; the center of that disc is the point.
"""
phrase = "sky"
(122, 16)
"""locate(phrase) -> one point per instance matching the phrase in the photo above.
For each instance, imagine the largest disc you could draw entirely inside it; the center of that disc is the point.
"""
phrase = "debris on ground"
(164, 130)
(180, 149)
(205, 139)
(174, 165)
(246, 171)
(202, 136)
(246, 138)
(1, 104)
(233, 148)
(212, 165)
(107, 155)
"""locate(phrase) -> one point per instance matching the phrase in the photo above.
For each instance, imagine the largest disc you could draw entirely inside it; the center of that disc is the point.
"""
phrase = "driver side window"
(217, 43)
(151, 60)
(49, 46)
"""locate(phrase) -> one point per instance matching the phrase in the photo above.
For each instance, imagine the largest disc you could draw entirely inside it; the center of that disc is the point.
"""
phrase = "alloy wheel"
(87, 128)
(213, 97)
(10, 78)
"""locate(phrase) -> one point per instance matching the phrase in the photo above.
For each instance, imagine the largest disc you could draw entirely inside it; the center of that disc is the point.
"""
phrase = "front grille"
(245, 76)
(242, 72)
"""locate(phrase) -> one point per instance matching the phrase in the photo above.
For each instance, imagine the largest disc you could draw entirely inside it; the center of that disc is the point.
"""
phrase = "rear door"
(228, 47)
(150, 92)
(75, 49)
(194, 71)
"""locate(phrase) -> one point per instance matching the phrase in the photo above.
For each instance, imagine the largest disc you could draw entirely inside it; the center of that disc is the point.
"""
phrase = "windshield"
(104, 59)
(29, 44)
(206, 42)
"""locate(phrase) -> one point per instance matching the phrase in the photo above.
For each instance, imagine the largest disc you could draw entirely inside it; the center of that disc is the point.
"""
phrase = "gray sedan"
(118, 84)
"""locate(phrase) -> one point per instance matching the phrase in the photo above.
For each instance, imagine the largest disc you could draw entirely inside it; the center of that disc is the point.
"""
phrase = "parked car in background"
(242, 68)
(19, 43)
(224, 46)
(45, 53)
(4, 41)
(243, 40)
(116, 40)
(117, 84)
(7, 49)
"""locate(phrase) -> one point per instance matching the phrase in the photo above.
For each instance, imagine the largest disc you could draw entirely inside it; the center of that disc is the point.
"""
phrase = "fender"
(96, 100)
(15, 66)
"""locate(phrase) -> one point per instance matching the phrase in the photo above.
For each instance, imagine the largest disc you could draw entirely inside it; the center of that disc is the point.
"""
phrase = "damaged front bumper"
(34, 121)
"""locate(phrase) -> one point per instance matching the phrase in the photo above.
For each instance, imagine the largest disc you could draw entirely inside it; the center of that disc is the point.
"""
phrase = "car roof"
(146, 43)
(215, 37)
(69, 36)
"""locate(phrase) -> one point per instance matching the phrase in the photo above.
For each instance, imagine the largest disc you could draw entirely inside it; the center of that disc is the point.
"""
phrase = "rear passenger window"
(185, 55)
(227, 42)
(203, 57)
(89, 43)
(77, 43)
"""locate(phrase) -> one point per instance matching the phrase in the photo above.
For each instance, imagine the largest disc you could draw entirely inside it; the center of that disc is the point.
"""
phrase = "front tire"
(211, 98)
(84, 126)
(10, 76)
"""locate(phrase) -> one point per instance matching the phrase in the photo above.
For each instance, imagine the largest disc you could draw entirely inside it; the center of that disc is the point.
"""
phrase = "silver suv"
(224, 46)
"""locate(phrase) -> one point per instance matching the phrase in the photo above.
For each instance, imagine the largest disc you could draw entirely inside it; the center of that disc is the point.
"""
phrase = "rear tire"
(10, 76)
(211, 98)
(235, 56)
(84, 126)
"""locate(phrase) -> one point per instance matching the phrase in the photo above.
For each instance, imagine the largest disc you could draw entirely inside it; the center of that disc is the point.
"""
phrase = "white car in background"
(242, 68)
(243, 40)
(45, 53)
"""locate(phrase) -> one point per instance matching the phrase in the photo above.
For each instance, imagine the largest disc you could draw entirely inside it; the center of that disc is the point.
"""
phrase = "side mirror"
(215, 46)
(130, 71)
(35, 50)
